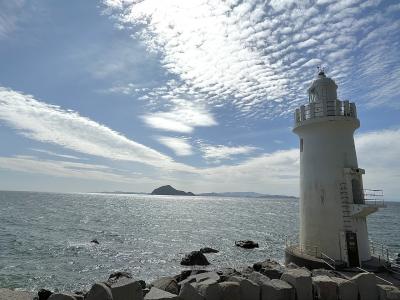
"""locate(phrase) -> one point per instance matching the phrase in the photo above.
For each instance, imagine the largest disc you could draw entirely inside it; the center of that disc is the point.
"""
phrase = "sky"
(128, 95)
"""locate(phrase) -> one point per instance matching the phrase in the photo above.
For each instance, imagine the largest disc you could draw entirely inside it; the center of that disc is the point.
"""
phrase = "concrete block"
(7, 294)
(99, 291)
(230, 290)
(157, 294)
(324, 288)
(207, 277)
(209, 291)
(126, 289)
(367, 286)
(277, 289)
(249, 290)
(188, 292)
(168, 284)
(388, 292)
(346, 289)
(300, 279)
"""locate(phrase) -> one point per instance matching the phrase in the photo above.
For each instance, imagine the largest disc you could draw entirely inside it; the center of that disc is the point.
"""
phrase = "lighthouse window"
(301, 145)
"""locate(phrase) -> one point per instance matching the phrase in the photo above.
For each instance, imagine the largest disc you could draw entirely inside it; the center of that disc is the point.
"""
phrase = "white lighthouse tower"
(333, 205)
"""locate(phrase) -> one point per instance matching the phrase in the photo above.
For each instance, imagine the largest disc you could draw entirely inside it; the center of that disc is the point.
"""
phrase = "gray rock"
(324, 288)
(367, 286)
(346, 289)
(230, 290)
(99, 291)
(210, 291)
(388, 292)
(300, 279)
(194, 258)
(168, 284)
(269, 268)
(188, 292)
(246, 244)
(126, 289)
(157, 294)
(249, 290)
(7, 294)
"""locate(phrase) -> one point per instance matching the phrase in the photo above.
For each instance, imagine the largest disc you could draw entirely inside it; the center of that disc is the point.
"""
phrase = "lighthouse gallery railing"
(325, 109)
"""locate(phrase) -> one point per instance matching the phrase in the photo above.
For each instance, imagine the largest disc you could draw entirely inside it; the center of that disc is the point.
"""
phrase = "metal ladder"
(347, 219)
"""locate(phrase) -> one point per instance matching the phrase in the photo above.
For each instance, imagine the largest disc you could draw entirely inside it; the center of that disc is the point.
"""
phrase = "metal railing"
(325, 109)
(373, 197)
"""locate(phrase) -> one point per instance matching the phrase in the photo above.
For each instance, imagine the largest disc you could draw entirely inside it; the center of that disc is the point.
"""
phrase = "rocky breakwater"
(267, 280)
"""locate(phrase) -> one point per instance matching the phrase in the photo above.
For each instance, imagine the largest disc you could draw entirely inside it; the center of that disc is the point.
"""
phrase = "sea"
(45, 238)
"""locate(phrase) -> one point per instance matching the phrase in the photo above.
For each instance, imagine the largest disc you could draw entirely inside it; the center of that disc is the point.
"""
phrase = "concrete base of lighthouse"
(294, 255)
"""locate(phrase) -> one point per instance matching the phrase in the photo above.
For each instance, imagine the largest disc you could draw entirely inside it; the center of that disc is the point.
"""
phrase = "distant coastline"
(169, 190)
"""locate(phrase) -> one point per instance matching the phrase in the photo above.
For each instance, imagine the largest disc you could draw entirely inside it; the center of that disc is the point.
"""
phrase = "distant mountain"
(169, 190)
(245, 195)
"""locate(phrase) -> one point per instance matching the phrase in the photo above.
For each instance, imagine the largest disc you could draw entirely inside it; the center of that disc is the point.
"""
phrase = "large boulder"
(270, 268)
(230, 290)
(367, 286)
(167, 284)
(7, 294)
(126, 289)
(263, 281)
(157, 294)
(249, 290)
(346, 289)
(194, 258)
(99, 291)
(247, 244)
(44, 294)
(189, 292)
(388, 292)
(324, 288)
(300, 279)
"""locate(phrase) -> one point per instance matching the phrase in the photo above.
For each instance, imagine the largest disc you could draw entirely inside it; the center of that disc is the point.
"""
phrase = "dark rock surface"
(168, 284)
(194, 258)
(246, 244)
(169, 190)
(95, 241)
(44, 294)
(208, 250)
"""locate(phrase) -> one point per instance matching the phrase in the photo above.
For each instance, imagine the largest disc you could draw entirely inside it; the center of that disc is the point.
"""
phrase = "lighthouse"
(333, 202)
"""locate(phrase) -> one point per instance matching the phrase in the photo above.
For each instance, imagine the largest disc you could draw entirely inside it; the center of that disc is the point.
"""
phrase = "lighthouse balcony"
(323, 109)
(372, 201)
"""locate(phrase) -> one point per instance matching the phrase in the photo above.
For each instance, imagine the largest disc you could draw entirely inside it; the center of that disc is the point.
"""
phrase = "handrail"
(331, 259)
(384, 280)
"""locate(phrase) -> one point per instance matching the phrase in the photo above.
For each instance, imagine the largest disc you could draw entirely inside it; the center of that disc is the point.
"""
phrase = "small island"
(169, 190)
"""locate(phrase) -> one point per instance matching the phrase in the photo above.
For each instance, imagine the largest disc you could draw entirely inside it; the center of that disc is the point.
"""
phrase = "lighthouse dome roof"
(322, 89)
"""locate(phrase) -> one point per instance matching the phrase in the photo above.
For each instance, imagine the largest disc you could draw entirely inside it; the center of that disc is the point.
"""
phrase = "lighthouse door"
(352, 249)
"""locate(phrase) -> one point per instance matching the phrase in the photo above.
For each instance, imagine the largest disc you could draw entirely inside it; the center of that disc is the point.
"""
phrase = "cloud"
(11, 12)
(258, 55)
(180, 146)
(56, 154)
(51, 124)
(34, 165)
(221, 152)
(183, 118)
